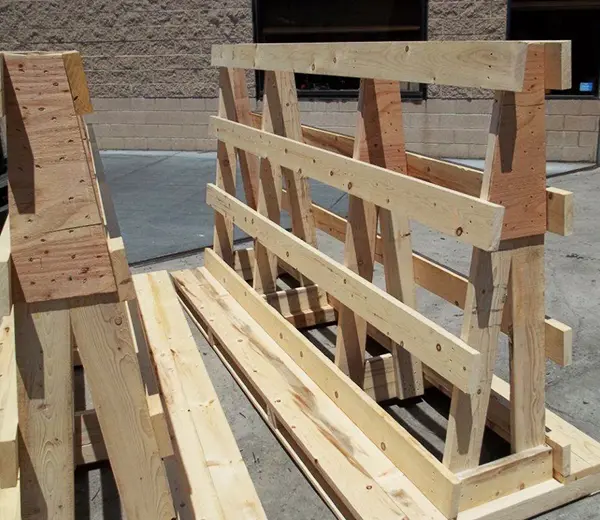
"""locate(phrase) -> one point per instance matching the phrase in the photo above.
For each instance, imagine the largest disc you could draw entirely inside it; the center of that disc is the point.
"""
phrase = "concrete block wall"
(148, 64)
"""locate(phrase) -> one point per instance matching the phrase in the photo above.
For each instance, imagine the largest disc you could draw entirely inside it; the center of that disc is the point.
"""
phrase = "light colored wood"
(452, 287)
(9, 414)
(226, 167)
(559, 211)
(118, 258)
(557, 65)
(496, 65)
(486, 293)
(45, 385)
(361, 476)
(559, 203)
(505, 476)
(78, 83)
(106, 346)
(534, 500)
(516, 153)
(380, 378)
(177, 357)
(293, 301)
(10, 503)
(5, 270)
(160, 426)
(422, 468)
(361, 230)
(469, 219)
(265, 270)
(88, 444)
(436, 347)
(59, 246)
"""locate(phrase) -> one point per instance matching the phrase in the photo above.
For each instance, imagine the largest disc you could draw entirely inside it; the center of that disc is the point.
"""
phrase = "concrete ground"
(160, 204)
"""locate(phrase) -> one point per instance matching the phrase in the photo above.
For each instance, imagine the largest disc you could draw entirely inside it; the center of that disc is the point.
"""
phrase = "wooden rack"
(65, 281)
(362, 461)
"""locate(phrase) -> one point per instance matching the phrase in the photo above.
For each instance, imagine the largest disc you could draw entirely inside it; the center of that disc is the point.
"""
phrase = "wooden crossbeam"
(559, 202)
(496, 65)
(436, 347)
(9, 416)
(469, 219)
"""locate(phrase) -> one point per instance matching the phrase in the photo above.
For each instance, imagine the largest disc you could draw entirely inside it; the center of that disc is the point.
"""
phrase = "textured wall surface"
(148, 64)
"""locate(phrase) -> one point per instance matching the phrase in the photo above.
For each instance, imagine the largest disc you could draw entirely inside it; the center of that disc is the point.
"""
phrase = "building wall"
(148, 64)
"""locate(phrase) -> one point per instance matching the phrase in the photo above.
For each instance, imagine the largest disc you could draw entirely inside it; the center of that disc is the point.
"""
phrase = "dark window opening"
(575, 20)
(295, 21)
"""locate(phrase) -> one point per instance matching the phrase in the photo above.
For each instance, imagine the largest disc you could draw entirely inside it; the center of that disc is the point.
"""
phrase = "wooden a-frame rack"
(324, 411)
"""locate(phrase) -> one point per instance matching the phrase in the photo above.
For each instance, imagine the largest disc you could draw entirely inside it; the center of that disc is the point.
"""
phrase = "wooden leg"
(486, 293)
(45, 387)
(528, 358)
(106, 347)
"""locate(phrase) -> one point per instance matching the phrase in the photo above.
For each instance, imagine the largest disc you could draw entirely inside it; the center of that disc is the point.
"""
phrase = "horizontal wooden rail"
(446, 283)
(469, 219)
(498, 65)
(559, 202)
(442, 351)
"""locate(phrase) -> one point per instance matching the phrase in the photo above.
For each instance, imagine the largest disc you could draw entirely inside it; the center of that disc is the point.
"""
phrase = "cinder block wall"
(148, 65)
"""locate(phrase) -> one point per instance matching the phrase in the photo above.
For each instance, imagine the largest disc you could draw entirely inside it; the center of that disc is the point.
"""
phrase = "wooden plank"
(436, 347)
(505, 476)
(557, 65)
(469, 219)
(226, 167)
(380, 378)
(9, 414)
(122, 274)
(45, 386)
(5, 270)
(265, 270)
(361, 230)
(484, 303)
(420, 466)
(293, 301)
(88, 444)
(59, 247)
(171, 341)
(78, 83)
(559, 211)
(559, 203)
(484, 64)
(359, 474)
(10, 503)
(2, 108)
(106, 346)
(534, 500)
(160, 426)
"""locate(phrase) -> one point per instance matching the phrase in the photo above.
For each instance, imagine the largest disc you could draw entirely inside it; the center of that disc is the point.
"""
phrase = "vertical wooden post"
(379, 140)
(45, 388)
(106, 346)
(515, 176)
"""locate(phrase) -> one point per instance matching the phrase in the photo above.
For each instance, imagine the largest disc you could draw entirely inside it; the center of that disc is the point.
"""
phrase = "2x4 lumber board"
(78, 83)
(293, 301)
(59, 245)
(9, 414)
(360, 475)
(5, 270)
(265, 270)
(452, 286)
(10, 503)
(361, 230)
(88, 444)
(434, 480)
(45, 386)
(190, 396)
(484, 303)
(106, 347)
(559, 211)
(505, 476)
(160, 426)
(442, 351)
(559, 202)
(498, 65)
(534, 500)
(469, 219)
(380, 378)
(226, 166)
(122, 274)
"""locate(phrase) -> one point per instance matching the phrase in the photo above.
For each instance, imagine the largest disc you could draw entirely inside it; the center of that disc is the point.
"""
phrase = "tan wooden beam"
(9, 415)
(469, 219)
(496, 65)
